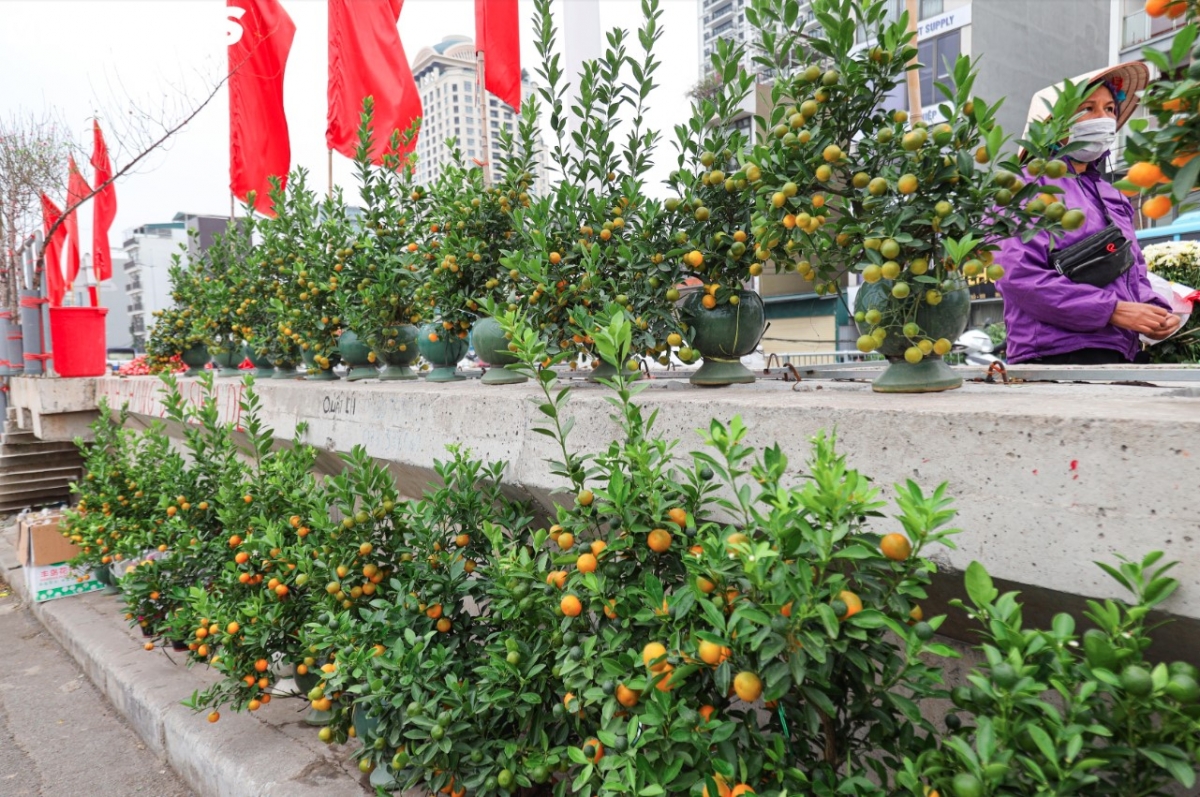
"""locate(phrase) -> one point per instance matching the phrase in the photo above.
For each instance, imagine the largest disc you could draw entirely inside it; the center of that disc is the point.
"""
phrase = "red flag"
(105, 209)
(498, 37)
(52, 252)
(366, 58)
(77, 189)
(259, 147)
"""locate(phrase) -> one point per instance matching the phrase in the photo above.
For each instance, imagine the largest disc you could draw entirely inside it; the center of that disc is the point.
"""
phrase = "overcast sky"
(96, 57)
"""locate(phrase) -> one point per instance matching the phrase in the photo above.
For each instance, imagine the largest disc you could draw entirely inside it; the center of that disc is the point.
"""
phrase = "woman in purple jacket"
(1053, 320)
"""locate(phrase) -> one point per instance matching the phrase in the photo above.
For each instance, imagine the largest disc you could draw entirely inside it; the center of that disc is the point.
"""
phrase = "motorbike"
(976, 348)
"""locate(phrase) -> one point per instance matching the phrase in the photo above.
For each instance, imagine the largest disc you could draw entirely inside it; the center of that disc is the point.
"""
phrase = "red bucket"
(78, 340)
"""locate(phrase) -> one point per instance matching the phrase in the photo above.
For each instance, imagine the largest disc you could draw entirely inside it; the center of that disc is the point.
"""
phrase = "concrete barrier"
(1047, 478)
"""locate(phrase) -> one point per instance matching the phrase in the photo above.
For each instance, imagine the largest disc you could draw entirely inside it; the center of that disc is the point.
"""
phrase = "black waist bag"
(1097, 260)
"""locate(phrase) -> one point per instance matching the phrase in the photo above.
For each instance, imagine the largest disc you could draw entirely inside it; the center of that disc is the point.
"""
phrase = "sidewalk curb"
(268, 754)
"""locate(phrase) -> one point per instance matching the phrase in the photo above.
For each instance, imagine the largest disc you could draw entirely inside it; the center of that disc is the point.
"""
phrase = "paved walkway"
(59, 736)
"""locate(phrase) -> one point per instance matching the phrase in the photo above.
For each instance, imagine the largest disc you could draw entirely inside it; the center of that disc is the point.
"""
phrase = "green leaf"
(979, 584)
(1185, 179)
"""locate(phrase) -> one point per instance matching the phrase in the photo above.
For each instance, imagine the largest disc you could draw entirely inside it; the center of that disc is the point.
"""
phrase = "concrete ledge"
(270, 753)
(54, 409)
(1047, 478)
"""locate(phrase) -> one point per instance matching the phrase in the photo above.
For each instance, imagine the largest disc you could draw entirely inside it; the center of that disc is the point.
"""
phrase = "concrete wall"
(1047, 478)
(1026, 45)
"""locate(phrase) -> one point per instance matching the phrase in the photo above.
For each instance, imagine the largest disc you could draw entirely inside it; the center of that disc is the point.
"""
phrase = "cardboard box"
(43, 552)
(47, 582)
(39, 541)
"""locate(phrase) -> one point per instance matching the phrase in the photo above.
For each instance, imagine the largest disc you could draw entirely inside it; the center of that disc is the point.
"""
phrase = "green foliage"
(1052, 711)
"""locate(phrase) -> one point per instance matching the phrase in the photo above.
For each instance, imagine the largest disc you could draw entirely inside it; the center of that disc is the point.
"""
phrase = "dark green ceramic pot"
(723, 336)
(227, 362)
(315, 372)
(286, 370)
(443, 354)
(947, 319)
(492, 347)
(195, 359)
(398, 361)
(357, 356)
(263, 367)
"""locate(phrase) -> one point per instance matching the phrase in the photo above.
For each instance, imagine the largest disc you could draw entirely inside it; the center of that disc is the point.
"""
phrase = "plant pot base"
(286, 372)
(362, 372)
(317, 718)
(445, 373)
(498, 375)
(380, 779)
(223, 373)
(931, 375)
(715, 372)
(396, 373)
(321, 376)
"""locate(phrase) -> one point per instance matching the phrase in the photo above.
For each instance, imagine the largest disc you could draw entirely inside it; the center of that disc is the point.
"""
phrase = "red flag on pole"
(259, 147)
(52, 251)
(498, 37)
(366, 58)
(105, 209)
(77, 189)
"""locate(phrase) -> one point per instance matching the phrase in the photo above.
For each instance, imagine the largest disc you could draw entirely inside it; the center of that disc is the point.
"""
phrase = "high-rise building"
(148, 253)
(446, 76)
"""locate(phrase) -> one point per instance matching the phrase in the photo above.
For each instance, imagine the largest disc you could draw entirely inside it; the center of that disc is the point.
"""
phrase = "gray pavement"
(59, 737)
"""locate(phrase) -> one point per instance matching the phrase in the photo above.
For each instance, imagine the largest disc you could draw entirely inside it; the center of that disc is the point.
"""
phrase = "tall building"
(445, 75)
(148, 253)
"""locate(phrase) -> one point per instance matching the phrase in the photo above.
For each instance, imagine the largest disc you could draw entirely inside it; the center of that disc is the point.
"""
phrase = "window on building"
(931, 8)
(495, 114)
(937, 57)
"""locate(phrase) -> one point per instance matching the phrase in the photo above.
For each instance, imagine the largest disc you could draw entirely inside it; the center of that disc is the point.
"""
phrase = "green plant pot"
(286, 371)
(226, 361)
(316, 373)
(357, 355)
(492, 347)
(945, 320)
(195, 359)
(443, 354)
(723, 336)
(263, 367)
(305, 683)
(104, 575)
(398, 363)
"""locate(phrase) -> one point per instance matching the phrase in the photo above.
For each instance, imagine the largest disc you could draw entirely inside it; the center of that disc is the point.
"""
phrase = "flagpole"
(481, 95)
(330, 153)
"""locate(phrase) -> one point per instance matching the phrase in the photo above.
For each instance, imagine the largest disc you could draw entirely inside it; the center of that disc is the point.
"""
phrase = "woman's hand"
(1148, 319)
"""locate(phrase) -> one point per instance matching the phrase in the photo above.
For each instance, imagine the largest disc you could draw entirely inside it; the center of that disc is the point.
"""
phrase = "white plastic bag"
(1173, 294)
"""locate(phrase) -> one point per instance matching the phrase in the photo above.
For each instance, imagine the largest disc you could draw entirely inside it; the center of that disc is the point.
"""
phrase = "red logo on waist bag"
(1111, 248)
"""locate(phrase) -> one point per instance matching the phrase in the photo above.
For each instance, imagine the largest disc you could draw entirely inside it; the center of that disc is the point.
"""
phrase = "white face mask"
(1097, 135)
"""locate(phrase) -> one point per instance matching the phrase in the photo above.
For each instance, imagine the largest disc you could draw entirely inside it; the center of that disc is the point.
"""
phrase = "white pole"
(485, 153)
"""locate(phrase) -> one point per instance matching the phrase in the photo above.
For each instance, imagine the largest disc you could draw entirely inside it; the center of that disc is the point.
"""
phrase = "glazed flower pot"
(443, 350)
(286, 370)
(226, 361)
(398, 361)
(315, 372)
(723, 336)
(263, 367)
(195, 359)
(358, 357)
(491, 345)
(946, 319)
(305, 684)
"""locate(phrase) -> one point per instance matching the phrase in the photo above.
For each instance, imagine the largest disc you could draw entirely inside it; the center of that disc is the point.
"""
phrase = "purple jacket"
(1044, 312)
